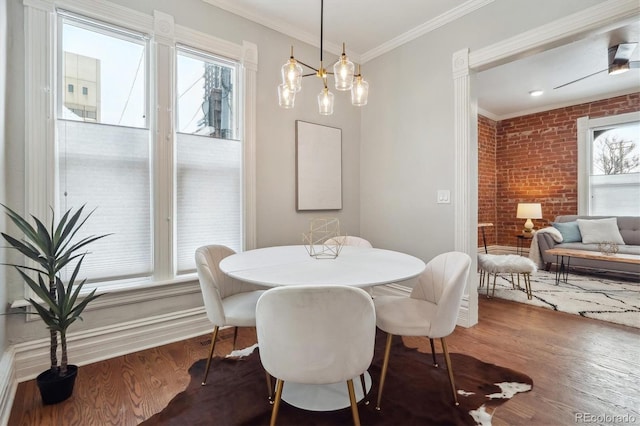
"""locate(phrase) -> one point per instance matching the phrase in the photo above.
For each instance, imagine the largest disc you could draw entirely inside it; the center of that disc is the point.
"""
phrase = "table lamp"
(529, 211)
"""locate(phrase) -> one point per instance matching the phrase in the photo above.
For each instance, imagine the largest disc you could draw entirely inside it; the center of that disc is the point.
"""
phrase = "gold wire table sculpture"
(608, 248)
(321, 231)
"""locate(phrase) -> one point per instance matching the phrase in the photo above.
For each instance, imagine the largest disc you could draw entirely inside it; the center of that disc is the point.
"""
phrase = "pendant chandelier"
(343, 75)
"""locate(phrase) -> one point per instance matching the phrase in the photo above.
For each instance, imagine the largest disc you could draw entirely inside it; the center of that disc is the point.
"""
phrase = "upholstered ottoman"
(506, 264)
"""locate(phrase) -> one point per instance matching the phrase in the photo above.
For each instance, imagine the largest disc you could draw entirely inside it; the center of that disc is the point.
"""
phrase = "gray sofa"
(629, 227)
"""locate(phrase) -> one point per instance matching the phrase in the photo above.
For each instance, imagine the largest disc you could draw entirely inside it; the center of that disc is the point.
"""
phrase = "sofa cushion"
(629, 229)
(569, 230)
(600, 230)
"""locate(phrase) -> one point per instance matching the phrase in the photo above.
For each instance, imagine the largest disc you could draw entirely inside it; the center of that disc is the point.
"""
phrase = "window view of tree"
(614, 181)
(614, 155)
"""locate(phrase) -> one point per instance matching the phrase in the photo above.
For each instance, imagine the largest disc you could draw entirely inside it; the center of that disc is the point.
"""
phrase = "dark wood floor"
(578, 365)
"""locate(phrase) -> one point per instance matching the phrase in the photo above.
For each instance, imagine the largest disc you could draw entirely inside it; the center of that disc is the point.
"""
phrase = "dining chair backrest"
(215, 285)
(315, 334)
(349, 240)
(442, 283)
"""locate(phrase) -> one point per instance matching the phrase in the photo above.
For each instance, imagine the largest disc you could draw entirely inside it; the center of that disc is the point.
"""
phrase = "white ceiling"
(502, 91)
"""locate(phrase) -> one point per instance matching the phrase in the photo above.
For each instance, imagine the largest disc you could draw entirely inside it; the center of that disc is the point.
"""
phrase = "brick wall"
(487, 178)
(536, 160)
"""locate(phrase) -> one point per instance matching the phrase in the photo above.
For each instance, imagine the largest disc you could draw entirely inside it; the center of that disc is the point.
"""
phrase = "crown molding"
(496, 117)
(435, 23)
(281, 27)
(336, 49)
(593, 20)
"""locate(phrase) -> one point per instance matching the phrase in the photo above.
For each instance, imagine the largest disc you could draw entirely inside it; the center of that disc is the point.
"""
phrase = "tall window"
(103, 143)
(208, 155)
(147, 133)
(611, 165)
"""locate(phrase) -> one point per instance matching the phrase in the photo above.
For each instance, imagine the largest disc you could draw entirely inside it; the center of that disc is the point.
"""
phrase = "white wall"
(407, 150)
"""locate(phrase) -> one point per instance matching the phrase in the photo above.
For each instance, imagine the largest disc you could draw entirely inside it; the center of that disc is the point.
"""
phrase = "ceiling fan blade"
(581, 78)
(634, 64)
(623, 52)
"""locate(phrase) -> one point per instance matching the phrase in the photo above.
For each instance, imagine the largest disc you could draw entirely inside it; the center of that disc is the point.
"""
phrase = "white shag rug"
(590, 296)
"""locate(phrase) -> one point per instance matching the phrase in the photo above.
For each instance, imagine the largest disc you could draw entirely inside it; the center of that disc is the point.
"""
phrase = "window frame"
(585, 128)
(41, 70)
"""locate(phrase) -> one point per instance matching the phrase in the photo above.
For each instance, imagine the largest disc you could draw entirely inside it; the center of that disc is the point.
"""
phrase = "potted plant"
(58, 304)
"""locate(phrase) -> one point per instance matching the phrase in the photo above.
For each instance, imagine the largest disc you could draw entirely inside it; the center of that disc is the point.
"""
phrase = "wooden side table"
(521, 242)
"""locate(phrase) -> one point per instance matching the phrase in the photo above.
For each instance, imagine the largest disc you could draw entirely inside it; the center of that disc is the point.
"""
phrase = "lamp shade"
(529, 211)
(325, 102)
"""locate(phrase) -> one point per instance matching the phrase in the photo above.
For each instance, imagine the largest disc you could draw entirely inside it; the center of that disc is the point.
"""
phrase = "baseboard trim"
(8, 384)
(86, 347)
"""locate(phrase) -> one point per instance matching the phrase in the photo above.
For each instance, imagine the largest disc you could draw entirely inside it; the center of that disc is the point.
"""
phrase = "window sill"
(132, 292)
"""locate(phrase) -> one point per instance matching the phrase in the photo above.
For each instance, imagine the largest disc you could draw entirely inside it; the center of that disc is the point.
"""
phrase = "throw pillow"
(569, 230)
(600, 231)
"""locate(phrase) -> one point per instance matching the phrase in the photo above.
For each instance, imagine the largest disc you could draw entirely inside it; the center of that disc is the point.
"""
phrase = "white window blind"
(209, 194)
(107, 168)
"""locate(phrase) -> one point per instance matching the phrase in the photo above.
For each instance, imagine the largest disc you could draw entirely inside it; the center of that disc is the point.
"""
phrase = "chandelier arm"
(308, 66)
(309, 75)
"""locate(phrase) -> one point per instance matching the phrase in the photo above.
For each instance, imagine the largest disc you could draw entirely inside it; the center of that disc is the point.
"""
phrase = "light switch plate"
(444, 196)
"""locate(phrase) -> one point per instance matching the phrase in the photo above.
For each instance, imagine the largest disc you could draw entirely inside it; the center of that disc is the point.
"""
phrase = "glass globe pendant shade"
(292, 74)
(325, 102)
(343, 72)
(286, 96)
(359, 92)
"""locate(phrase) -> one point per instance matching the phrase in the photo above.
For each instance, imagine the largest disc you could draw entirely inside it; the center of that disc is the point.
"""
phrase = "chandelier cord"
(321, 25)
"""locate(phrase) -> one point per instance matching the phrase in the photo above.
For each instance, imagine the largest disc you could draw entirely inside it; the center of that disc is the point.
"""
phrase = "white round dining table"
(292, 265)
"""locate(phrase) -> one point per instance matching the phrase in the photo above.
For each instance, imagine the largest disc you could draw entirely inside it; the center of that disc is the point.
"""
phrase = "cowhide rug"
(416, 393)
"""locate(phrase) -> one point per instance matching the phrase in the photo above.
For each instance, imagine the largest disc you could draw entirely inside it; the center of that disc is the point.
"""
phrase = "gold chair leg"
(433, 353)
(385, 364)
(235, 337)
(527, 285)
(354, 404)
(449, 370)
(364, 390)
(214, 336)
(276, 404)
(513, 282)
(481, 278)
(269, 387)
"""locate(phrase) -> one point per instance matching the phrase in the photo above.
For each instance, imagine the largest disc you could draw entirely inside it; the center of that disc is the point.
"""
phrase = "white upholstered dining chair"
(315, 335)
(227, 301)
(349, 240)
(431, 310)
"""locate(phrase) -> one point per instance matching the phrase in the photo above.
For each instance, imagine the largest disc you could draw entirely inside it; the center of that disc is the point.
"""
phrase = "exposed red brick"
(533, 159)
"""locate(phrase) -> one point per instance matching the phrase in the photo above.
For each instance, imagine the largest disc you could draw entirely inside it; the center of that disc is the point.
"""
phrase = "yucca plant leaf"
(24, 247)
(70, 254)
(57, 234)
(22, 224)
(69, 230)
(44, 239)
(41, 292)
(47, 316)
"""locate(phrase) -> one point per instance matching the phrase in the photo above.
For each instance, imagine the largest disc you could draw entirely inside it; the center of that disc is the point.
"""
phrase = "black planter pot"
(55, 389)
